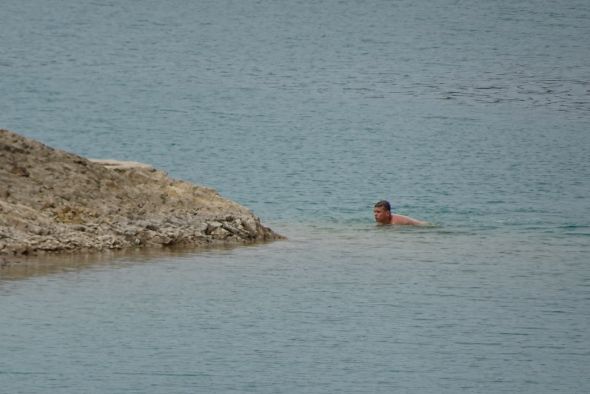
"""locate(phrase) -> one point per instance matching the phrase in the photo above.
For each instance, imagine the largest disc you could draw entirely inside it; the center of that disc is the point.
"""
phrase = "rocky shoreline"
(52, 201)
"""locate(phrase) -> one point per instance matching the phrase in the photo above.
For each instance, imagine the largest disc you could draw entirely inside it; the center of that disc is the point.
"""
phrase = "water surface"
(471, 115)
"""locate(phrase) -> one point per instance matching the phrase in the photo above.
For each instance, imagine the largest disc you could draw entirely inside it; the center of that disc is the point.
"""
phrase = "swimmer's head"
(383, 204)
(382, 212)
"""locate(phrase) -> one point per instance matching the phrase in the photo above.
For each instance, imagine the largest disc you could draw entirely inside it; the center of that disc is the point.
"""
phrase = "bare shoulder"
(406, 220)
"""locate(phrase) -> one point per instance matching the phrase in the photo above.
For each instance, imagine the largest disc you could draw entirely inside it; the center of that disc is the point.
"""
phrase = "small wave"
(574, 226)
(489, 87)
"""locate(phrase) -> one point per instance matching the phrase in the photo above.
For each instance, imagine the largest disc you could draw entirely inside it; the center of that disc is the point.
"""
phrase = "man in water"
(383, 215)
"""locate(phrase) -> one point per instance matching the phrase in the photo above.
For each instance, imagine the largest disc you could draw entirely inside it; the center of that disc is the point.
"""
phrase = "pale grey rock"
(52, 201)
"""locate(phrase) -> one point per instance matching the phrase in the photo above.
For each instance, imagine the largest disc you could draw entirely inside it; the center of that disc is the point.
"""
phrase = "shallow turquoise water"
(473, 116)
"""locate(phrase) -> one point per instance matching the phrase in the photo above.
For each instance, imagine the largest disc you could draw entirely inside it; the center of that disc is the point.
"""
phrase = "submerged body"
(383, 215)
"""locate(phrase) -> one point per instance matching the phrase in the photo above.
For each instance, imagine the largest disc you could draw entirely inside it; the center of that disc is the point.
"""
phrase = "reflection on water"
(24, 268)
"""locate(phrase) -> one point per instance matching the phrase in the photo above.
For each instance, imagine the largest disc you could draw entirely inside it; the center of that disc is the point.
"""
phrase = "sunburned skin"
(384, 216)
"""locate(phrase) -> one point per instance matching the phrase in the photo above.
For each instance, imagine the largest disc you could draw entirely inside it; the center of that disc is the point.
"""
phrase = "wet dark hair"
(383, 204)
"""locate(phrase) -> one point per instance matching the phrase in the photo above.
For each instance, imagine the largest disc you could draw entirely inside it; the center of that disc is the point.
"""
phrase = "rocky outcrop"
(52, 201)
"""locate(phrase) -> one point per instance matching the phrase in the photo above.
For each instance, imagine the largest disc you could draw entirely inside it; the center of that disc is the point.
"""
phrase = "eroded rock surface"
(54, 201)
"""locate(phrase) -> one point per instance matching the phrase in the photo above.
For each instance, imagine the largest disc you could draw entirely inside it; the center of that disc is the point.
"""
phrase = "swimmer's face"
(382, 215)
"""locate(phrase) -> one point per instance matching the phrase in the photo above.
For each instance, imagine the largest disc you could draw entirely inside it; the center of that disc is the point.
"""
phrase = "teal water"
(471, 115)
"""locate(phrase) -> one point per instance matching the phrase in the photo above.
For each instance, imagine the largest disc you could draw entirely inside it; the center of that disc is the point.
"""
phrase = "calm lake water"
(474, 116)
